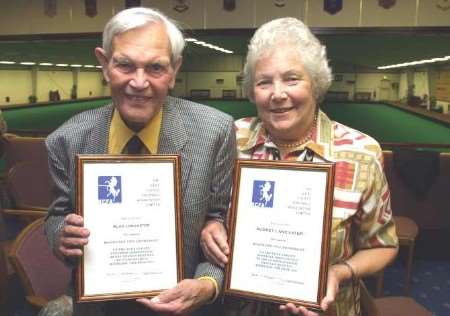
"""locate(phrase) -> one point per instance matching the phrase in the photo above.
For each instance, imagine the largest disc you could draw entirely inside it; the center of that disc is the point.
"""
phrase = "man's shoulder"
(83, 122)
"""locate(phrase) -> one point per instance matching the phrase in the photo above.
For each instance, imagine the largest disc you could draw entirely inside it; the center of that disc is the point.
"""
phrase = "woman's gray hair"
(293, 32)
(136, 17)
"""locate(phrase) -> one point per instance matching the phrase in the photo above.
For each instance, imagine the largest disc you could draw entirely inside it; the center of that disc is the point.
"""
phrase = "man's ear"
(176, 67)
(103, 61)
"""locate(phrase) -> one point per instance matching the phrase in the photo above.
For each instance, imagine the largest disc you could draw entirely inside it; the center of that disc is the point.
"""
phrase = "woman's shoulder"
(246, 122)
(350, 139)
(346, 133)
(246, 126)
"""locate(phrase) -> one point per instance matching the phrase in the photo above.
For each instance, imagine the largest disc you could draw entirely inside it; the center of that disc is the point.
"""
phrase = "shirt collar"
(120, 134)
(320, 144)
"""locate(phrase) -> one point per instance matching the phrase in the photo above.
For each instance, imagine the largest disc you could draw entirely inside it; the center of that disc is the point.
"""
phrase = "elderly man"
(140, 57)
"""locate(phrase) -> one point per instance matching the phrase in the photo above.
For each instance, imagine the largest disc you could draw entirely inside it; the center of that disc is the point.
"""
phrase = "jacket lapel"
(98, 143)
(174, 138)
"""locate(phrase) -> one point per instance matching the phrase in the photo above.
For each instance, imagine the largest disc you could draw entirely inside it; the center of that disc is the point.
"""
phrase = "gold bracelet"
(354, 284)
(352, 271)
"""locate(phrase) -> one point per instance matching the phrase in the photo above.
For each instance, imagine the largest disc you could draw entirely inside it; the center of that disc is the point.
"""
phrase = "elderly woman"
(286, 76)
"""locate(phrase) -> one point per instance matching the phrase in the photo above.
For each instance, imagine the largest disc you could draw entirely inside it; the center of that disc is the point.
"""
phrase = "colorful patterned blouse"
(362, 215)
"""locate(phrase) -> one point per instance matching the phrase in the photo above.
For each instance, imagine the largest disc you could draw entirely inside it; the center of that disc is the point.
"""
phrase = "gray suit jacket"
(205, 139)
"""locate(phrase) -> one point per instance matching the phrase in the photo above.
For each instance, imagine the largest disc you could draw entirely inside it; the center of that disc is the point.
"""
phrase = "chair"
(29, 187)
(407, 231)
(390, 306)
(28, 181)
(4, 275)
(41, 274)
(18, 149)
(6, 270)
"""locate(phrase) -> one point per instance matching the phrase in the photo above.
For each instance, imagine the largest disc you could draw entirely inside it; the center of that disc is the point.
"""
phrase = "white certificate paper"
(130, 210)
(279, 220)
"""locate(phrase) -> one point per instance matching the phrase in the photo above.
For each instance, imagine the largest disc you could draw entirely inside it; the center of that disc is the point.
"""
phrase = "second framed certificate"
(131, 205)
(280, 231)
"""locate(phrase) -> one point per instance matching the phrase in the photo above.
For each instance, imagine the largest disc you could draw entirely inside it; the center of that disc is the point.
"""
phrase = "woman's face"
(283, 95)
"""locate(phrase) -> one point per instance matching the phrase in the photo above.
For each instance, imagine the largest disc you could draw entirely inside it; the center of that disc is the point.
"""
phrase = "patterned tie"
(134, 146)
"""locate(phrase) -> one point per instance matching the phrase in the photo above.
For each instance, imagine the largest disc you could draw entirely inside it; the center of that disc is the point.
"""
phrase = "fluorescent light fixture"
(45, 64)
(416, 62)
(28, 63)
(88, 66)
(99, 67)
(208, 45)
(62, 65)
(439, 59)
(7, 62)
(76, 65)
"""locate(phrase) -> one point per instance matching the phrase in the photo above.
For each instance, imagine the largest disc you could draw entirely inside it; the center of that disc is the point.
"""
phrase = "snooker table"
(388, 124)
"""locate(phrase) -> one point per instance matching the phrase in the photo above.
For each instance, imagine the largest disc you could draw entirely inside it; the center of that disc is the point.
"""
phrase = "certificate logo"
(263, 193)
(110, 189)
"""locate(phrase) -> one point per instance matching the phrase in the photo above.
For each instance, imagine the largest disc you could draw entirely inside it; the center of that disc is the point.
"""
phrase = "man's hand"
(72, 237)
(188, 295)
(336, 274)
(213, 241)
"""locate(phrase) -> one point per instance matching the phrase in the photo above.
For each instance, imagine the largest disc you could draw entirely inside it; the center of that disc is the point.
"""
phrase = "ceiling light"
(439, 59)
(45, 64)
(417, 62)
(88, 66)
(76, 65)
(7, 62)
(208, 45)
(27, 63)
(61, 65)
(100, 67)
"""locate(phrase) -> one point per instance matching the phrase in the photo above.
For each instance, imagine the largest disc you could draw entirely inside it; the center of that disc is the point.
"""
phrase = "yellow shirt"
(120, 134)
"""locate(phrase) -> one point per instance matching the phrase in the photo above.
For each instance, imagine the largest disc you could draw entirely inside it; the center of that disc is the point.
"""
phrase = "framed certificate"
(280, 227)
(131, 205)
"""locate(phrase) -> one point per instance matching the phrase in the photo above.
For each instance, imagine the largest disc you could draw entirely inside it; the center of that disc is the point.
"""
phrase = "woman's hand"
(213, 241)
(336, 274)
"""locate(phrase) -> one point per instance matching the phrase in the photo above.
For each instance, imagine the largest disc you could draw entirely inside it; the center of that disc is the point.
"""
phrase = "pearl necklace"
(305, 139)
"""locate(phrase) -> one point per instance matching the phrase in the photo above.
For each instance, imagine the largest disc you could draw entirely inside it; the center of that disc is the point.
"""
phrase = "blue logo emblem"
(110, 189)
(263, 193)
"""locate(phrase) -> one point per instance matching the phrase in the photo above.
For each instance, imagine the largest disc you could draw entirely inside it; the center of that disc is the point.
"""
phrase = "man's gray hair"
(293, 32)
(136, 17)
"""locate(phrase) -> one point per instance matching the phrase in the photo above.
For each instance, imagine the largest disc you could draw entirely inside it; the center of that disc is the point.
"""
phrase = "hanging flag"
(280, 3)
(90, 8)
(332, 6)
(387, 4)
(181, 6)
(132, 3)
(444, 5)
(50, 8)
(229, 5)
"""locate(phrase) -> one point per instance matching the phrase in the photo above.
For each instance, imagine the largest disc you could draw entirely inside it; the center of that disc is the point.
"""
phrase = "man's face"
(139, 72)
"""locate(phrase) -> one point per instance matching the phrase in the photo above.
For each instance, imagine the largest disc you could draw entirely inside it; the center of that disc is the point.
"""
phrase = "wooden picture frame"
(280, 228)
(131, 205)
